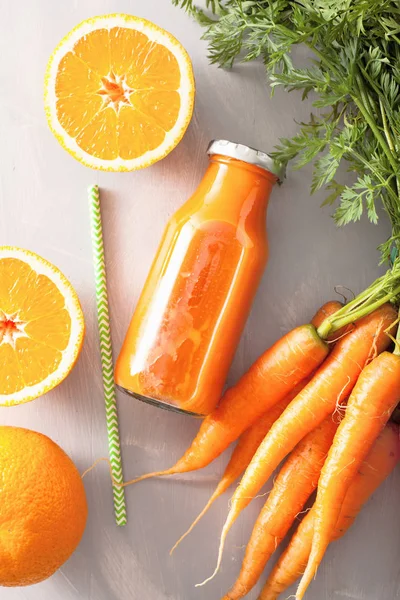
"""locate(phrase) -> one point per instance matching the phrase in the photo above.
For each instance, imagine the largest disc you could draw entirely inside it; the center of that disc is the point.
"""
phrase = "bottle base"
(159, 403)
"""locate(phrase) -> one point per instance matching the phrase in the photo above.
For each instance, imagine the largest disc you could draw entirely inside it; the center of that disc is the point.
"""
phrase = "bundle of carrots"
(323, 394)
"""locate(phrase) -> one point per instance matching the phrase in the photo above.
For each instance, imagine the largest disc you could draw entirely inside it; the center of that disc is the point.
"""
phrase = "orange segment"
(94, 50)
(36, 361)
(15, 277)
(40, 299)
(76, 111)
(24, 291)
(53, 330)
(99, 137)
(41, 326)
(11, 380)
(134, 125)
(162, 106)
(75, 77)
(119, 92)
(125, 46)
(156, 68)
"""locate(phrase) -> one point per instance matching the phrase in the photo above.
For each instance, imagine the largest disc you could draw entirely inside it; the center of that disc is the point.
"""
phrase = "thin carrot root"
(171, 471)
(394, 339)
(339, 336)
(252, 497)
(390, 328)
(94, 465)
(197, 519)
(340, 408)
(374, 350)
(116, 483)
(224, 533)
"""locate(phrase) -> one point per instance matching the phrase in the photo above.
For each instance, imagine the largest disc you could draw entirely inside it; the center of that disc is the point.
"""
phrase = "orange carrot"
(379, 463)
(274, 375)
(370, 405)
(293, 486)
(333, 381)
(252, 437)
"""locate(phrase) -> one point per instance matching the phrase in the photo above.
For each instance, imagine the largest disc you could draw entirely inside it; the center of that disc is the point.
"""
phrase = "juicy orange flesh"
(35, 326)
(118, 93)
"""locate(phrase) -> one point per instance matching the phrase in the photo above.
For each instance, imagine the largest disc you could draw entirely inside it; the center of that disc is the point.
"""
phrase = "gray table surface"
(43, 207)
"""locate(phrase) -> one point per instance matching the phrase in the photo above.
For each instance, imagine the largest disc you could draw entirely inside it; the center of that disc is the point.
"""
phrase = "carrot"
(370, 405)
(274, 375)
(252, 437)
(293, 486)
(333, 381)
(379, 463)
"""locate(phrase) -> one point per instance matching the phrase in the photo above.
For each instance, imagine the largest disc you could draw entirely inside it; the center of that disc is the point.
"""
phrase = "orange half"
(119, 92)
(41, 326)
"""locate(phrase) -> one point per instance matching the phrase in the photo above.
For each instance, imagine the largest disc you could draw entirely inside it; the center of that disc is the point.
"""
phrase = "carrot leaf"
(351, 67)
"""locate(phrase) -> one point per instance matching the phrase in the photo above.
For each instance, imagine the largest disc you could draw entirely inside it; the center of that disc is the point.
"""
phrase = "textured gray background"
(43, 207)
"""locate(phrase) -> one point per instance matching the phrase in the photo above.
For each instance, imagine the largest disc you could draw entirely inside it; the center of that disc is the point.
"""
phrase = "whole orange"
(43, 508)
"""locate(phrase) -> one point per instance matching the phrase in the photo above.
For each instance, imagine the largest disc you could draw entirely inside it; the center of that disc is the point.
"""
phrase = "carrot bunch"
(331, 384)
(322, 396)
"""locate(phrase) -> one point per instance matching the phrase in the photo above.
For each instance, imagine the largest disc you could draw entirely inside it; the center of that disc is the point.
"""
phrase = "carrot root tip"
(220, 552)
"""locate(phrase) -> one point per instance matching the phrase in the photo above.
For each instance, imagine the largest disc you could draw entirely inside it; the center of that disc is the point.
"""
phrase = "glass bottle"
(198, 294)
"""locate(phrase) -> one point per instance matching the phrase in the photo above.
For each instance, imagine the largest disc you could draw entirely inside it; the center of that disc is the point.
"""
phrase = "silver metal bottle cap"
(247, 154)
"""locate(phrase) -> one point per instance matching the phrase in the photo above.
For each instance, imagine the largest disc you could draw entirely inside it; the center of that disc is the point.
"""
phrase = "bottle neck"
(238, 189)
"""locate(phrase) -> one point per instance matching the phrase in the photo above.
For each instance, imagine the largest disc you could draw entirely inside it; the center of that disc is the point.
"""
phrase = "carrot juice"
(198, 294)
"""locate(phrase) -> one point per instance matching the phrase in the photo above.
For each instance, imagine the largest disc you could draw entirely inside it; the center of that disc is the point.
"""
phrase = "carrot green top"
(382, 290)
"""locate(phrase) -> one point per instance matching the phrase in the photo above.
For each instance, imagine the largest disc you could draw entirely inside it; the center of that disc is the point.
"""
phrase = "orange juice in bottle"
(198, 294)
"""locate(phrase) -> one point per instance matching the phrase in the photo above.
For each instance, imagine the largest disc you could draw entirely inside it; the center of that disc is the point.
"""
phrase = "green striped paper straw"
(106, 354)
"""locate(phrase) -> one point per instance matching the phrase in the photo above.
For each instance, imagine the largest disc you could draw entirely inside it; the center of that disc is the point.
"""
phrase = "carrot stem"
(384, 289)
